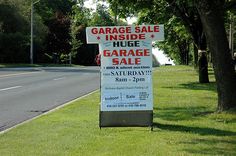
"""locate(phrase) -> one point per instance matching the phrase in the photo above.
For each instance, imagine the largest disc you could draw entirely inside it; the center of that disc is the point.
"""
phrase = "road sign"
(126, 73)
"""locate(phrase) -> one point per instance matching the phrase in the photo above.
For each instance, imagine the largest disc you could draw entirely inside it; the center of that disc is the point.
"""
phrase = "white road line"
(4, 89)
(61, 78)
(8, 75)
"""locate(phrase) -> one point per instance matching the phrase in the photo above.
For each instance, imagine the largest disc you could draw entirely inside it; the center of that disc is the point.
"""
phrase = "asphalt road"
(29, 92)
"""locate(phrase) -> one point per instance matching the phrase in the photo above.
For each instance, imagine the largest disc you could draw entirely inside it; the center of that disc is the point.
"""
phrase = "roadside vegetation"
(186, 122)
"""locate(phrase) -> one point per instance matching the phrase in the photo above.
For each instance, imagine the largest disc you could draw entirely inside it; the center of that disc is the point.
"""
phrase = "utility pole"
(32, 33)
(231, 34)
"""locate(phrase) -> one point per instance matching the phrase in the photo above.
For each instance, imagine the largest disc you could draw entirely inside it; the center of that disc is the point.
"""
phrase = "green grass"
(185, 123)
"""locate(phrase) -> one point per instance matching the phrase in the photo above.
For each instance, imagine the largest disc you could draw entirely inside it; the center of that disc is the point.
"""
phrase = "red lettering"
(146, 52)
(113, 37)
(111, 30)
(142, 36)
(126, 61)
(137, 29)
(137, 61)
(122, 37)
(122, 52)
(139, 52)
(114, 53)
(94, 31)
(147, 29)
(106, 53)
(133, 36)
(115, 61)
(123, 61)
(101, 31)
(144, 30)
(125, 32)
(122, 30)
(131, 52)
(126, 53)
(108, 30)
(156, 28)
(114, 31)
(128, 29)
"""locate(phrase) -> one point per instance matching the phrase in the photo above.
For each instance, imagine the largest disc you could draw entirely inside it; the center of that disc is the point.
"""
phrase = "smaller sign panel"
(125, 33)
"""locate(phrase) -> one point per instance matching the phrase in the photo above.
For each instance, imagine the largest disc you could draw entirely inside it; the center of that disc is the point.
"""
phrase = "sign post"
(126, 73)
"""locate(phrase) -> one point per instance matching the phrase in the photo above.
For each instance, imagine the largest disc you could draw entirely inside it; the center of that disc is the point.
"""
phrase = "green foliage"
(177, 38)
(177, 42)
(80, 19)
(101, 17)
(12, 47)
(55, 14)
(14, 35)
(48, 8)
(15, 31)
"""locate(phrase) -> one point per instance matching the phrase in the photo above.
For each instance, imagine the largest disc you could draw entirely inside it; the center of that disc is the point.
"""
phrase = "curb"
(48, 112)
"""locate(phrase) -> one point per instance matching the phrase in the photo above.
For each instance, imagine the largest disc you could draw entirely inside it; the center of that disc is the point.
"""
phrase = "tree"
(187, 12)
(83, 53)
(161, 11)
(101, 17)
(56, 15)
(13, 35)
(212, 17)
(83, 17)
(58, 39)
(204, 21)
(177, 41)
(15, 31)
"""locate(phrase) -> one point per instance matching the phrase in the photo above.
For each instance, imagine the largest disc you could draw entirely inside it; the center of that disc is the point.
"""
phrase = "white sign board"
(125, 33)
(126, 65)
(126, 79)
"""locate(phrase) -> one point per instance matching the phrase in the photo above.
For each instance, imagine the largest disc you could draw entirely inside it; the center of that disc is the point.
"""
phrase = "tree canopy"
(204, 22)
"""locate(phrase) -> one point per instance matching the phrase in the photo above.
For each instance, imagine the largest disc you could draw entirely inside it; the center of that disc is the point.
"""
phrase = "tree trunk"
(203, 67)
(202, 61)
(194, 26)
(213, 25)
(195, 56)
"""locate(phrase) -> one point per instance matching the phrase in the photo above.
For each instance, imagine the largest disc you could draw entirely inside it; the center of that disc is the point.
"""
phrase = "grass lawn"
(185, 123)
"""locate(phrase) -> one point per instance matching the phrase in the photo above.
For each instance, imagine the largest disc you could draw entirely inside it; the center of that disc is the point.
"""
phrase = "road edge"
(48, 112)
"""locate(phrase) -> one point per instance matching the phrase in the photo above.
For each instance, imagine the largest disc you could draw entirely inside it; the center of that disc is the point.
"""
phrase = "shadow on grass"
(197, 86)
(196, 130)
(181, 113)
(210, 146)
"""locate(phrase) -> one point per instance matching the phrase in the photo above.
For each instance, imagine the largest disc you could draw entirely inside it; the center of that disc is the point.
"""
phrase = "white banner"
(126, 76)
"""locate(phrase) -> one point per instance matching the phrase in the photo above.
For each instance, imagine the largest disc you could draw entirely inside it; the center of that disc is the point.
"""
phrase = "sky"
(161, 57)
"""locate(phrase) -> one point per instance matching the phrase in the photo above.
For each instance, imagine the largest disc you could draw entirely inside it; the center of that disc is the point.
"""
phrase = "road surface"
(29, 92)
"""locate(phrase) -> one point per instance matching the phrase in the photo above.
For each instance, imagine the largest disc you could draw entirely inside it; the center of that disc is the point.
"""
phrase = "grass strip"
(185, 123)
